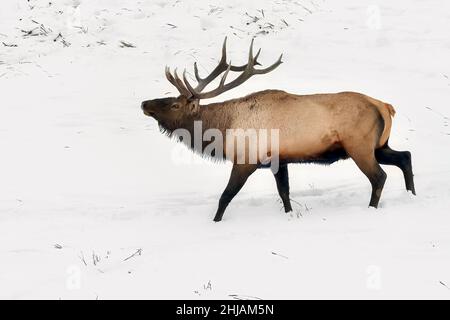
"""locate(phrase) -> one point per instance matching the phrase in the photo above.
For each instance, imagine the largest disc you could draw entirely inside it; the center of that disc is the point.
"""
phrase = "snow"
(95, 203)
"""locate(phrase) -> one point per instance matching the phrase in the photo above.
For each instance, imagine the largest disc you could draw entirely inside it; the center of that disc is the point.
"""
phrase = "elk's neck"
(214, 116)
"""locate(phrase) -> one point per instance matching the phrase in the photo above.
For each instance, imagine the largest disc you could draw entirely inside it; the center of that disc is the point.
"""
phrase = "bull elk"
(317, 128)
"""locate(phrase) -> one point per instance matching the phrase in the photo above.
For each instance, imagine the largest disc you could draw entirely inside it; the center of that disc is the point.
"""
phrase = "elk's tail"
(390, 109)
(387, 111)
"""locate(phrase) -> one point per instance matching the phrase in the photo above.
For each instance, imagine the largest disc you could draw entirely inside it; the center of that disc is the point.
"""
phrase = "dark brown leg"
(377, 180)
(369, 166)
(282, 179)
(239, 175)
(401, 159)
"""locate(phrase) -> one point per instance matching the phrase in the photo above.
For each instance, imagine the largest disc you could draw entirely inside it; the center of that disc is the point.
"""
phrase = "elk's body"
(320, 128)
(310, 126)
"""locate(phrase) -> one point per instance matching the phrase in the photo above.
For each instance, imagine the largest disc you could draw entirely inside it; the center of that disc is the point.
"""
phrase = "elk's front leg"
(282, 179)
(239, 175)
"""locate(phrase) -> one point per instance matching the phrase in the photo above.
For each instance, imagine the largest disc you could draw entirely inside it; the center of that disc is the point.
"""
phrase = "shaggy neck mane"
(212, 116)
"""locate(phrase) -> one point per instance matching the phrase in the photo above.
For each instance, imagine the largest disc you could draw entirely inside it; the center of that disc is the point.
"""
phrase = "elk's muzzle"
(144, 107)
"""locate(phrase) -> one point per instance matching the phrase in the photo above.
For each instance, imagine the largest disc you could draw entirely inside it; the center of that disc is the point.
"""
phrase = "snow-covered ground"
(95, 202)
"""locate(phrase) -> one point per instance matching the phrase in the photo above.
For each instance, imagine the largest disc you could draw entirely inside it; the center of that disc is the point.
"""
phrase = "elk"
(316, 128)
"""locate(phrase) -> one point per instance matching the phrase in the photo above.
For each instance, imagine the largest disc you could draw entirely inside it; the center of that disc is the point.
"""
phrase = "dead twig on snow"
(10, 45)
(63, 41)
(137, 253)
(124, 44)
(280, 255)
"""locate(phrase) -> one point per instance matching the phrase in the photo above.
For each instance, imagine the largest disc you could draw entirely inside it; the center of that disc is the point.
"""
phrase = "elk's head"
(170, 110)
(174, 110)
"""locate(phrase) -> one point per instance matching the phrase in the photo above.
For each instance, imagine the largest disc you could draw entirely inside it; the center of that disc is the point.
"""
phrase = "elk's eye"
(175, 106)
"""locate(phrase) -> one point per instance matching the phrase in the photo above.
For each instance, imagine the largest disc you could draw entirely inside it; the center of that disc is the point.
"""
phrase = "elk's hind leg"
(282, 179)
(239, 175)
(401, 159)
(364, 158)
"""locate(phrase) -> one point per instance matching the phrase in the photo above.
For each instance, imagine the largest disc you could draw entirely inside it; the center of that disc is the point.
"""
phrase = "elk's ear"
(194, 106)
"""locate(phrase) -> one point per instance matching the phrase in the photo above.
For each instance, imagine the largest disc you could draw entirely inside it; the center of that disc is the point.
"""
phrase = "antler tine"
(197, 76)
(250, 53)
(269, 68)
(188, 85)
(169, 76)
(222, 81)
(255, 62)
(186, 91)
(224, 51)
(176, 81)
(172, 79)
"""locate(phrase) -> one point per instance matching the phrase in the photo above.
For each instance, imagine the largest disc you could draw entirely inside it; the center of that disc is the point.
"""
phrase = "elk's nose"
(145, 108)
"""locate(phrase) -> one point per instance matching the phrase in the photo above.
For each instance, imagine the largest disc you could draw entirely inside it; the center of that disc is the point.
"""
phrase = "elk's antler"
(248, 70)
(176, 81)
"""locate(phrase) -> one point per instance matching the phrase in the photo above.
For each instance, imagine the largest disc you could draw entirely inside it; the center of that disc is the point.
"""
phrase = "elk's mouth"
(149, 113)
